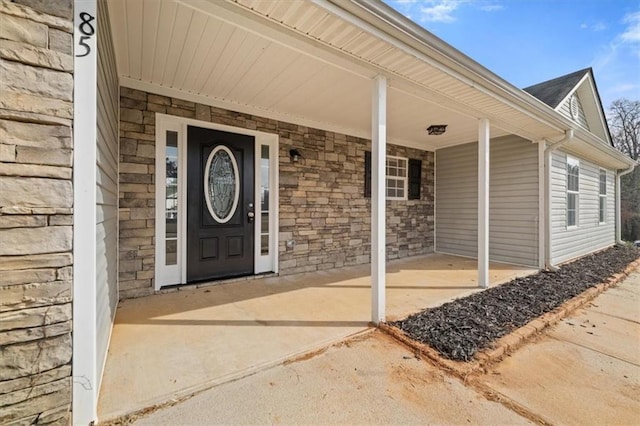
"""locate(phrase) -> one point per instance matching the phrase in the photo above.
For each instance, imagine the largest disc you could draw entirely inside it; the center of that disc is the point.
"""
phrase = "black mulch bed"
(460, 328)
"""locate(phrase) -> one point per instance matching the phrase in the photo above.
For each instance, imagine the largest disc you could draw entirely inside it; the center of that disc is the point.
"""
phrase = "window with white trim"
(403, 177)
(603, 196)
(396, 178)
(573, 191)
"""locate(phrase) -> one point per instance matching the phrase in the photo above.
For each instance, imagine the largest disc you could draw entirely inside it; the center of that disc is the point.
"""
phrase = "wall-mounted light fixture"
(436, 129)
(295, 155)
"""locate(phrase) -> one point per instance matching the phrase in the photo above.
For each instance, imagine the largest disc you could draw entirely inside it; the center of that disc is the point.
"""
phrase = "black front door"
(220, 211)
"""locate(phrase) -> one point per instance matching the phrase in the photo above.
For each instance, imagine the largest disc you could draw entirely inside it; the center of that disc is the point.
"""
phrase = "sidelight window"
(264, 200)
(171, 198)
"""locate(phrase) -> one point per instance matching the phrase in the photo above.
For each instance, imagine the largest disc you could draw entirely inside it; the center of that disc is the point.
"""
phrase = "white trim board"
(84, 362)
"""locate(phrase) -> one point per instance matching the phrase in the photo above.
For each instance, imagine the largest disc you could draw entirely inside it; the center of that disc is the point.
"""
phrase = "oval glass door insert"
(221, 184)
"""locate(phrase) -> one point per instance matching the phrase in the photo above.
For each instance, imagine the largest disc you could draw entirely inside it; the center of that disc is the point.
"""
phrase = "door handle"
(251, 216)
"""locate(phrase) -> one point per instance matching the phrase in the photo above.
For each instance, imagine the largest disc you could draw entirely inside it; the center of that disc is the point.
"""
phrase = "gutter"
(619, 174)
(568, 137)
(593, 142)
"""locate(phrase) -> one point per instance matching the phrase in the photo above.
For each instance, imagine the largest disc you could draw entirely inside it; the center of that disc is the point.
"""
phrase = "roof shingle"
(552, 92)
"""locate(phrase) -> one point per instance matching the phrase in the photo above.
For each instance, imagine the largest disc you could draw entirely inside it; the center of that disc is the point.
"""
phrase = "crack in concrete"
(493, 395)
(615, 316)
(559, 339)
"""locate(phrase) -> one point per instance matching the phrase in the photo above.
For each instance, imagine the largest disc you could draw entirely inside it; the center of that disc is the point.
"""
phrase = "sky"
(530, 41)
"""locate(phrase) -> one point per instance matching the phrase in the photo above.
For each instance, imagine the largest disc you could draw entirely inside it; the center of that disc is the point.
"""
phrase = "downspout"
(618, 208)
(568, 137)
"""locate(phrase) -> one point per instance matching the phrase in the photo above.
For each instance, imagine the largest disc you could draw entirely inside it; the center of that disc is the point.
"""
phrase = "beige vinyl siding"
(106, 188)
(589, 235)
(457, 200)
(513, 202)
(565, 109)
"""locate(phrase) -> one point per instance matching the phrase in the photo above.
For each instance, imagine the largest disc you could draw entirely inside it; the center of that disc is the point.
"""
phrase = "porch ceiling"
(298, 62)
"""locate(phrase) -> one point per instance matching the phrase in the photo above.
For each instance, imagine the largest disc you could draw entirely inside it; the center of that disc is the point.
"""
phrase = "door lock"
(250, 216)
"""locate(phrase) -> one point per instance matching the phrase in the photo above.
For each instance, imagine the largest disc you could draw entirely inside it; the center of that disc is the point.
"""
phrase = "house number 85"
(86, 28)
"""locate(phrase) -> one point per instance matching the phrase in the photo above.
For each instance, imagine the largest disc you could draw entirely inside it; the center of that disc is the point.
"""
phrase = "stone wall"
(137, 193)
(36, 200)
(323, 208)
(322, 204)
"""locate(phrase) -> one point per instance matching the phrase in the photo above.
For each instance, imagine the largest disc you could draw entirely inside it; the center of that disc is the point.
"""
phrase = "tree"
(624, 124)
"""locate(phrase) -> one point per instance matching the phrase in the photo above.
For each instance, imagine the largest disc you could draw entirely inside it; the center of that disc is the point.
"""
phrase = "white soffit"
(220, 53)
(358, 40)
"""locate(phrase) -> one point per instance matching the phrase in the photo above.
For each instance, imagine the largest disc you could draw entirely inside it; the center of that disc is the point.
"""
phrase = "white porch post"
(618, 210)
(483, 203)
(378, 198)
(542, 206)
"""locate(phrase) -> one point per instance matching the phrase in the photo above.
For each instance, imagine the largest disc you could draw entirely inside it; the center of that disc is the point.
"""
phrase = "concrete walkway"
(371, 381)
(584, 371)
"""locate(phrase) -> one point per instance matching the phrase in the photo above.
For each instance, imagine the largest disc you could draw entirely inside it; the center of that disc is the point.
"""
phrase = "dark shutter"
(367, 174)
(415, 179)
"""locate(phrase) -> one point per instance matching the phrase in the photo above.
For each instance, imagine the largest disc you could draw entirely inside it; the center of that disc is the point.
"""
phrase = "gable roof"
(553, 92)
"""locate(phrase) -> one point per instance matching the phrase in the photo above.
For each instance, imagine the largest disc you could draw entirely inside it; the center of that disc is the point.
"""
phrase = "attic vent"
(574, 106)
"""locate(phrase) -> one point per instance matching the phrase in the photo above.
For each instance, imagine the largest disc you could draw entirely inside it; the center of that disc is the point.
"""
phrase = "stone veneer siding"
(322, 204)
(36, 201)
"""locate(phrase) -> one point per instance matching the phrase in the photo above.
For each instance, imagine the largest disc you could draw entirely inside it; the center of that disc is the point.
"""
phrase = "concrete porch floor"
(171, 345)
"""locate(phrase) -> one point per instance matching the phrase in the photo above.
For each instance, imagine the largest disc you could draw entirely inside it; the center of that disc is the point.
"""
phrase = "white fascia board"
(572, 91)
(599, 108)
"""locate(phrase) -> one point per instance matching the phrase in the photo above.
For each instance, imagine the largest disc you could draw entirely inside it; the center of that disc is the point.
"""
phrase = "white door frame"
(177, 274)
